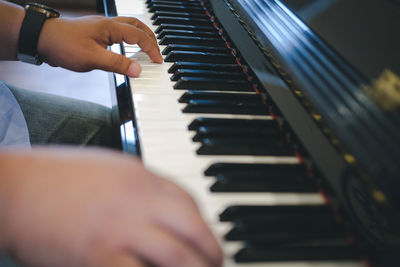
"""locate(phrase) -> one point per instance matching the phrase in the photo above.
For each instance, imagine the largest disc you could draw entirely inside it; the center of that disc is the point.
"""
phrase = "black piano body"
(332, 71)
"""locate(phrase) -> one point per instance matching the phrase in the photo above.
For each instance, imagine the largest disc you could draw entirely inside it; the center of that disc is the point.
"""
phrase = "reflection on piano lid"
(339, 102)
(364, 32)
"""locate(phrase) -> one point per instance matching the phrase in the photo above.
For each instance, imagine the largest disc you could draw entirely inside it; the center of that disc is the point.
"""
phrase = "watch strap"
(29, 36)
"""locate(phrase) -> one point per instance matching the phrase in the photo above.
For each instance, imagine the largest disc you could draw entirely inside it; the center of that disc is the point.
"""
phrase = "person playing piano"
(63, 206)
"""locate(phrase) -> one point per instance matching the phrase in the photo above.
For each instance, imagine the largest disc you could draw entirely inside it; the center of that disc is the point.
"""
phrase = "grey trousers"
(55, 119)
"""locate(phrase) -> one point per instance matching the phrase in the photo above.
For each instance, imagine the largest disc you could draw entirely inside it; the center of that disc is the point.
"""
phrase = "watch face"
(50, 12)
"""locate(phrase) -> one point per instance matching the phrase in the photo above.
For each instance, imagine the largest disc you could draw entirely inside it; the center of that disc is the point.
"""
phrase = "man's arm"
(11, 17)
(80, 44)
(68, 207)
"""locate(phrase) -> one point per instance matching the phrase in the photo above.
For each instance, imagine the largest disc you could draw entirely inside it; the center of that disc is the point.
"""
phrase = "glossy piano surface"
(339, 98)
(363, 31)
(323, 99)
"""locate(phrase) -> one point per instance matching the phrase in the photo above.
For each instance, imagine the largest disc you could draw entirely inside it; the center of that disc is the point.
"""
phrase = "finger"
(142, 27)
(132, 35)
(190, 226)
(121, 259)
(183, 218)
(162, 248)
(173, 190)
(109, 61)
(137, 23)
(103, 256)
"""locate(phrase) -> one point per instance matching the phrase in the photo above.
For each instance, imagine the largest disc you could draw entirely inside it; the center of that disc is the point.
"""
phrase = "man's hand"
(80, 44)
(64, 207)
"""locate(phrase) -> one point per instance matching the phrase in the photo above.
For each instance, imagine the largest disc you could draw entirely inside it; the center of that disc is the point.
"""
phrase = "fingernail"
(134, 69)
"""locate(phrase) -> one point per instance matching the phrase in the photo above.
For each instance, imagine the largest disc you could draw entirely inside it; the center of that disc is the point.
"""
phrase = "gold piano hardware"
(316, 116)
(385, 91)
(298, 92)
(379, 196)
(350, 159)
(335, 141)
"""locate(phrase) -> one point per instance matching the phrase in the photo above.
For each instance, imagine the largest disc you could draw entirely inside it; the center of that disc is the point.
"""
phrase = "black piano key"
(204, 66)
(231, 131)
(202, 57)
(200, 95)
(176, 8)
(225, 107)
(303, 229)
(158, 14)
(302, 224)
(196, 48)
(234, 146)
(208, 84)
(340, 240)
(201, 121)
(208, 34)
(204, 132)
(207, 74)
(221, 131)
(182, 20)
(171, 2)
(297, 253)
(192, 40)
(165, 26)
(261, 183)
(275, 212)
(151, 3)
(275, 170)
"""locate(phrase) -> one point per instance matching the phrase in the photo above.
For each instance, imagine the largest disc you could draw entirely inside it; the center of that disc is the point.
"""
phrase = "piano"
(280, 117)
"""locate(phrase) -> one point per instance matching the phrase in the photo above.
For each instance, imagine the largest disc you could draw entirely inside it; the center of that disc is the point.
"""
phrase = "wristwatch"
(35, 16)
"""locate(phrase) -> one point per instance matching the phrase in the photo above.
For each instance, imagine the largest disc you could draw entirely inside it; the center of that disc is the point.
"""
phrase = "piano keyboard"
(202, 126)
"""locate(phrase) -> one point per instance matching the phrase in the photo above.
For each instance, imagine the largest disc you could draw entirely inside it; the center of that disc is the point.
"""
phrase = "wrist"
(35, 16)
(47, 37)
(5, 195)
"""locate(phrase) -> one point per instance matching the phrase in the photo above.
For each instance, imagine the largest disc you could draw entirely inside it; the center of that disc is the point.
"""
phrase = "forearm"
(11, 17)
(63, 207)
(7, 160)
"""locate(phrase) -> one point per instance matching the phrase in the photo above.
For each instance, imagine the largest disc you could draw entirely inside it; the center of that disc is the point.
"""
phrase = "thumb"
(110, 61)
(122, 259)
(104, 256)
